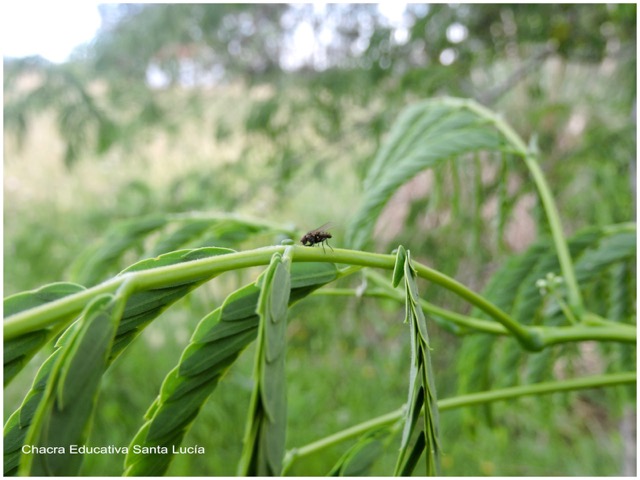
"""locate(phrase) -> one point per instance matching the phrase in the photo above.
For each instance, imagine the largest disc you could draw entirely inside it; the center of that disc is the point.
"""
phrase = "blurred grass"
(347, 359)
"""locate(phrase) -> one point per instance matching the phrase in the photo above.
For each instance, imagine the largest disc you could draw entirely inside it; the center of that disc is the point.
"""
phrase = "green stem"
(520, 148)
(526, 337)
(565, 308)
(355, 431)
(457, 319)
(604, 330)
(562, 249)
(468, 400)
(580, 332)
(44, 315)
(533, 338)
(49, 313)
(595, 381)
(452, 321)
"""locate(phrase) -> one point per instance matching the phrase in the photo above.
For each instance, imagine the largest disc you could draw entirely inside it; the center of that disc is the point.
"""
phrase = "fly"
(317, 236)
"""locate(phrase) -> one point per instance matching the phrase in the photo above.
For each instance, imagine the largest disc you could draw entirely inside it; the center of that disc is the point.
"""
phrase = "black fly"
(319, 235)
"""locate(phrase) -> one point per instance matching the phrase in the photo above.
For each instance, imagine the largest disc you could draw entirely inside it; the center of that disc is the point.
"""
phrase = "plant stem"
(580, 332)
(451, 321)
(468, 400)
(49, 313)
(550, 208)
(596, 381)
(206, 268)
(526, 337)
(459, 320)
(603, 330)
(355, 431)
(532, 338)
(562, 249)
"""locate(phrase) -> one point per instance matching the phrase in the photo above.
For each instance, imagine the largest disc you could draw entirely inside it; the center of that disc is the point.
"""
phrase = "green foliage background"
(94, 156)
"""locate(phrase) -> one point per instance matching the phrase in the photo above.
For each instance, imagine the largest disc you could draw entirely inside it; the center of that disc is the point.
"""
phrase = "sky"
(50, 29)
(53, 29)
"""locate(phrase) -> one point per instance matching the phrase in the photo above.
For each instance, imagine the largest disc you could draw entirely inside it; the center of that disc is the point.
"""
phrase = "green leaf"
(425, 135)
(281, 289)
(398, 268)
(178, 415)
(18, 351)
(154, 462)
(278, 305)
(98, 261)
(233, 231)
(86, 355)
(414, 455)
(240, 304)
(593, 250)
(192, 229)
(141, 308)
(422, 391)
(179, 256)
(612, 249)
(230, 328)
(312, 274)
(15, 431)
(13, 441)
(63, 416)
(414, 299)
(596, 251)
(358, 460)
(264, 443)
(216, 351)
(34, 298)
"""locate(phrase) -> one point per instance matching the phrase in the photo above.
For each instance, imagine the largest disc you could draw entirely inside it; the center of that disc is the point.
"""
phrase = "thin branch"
(490, 96)
(597, 381)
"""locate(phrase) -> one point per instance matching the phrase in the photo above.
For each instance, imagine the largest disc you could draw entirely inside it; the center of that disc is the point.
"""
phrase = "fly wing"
(322, 228)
